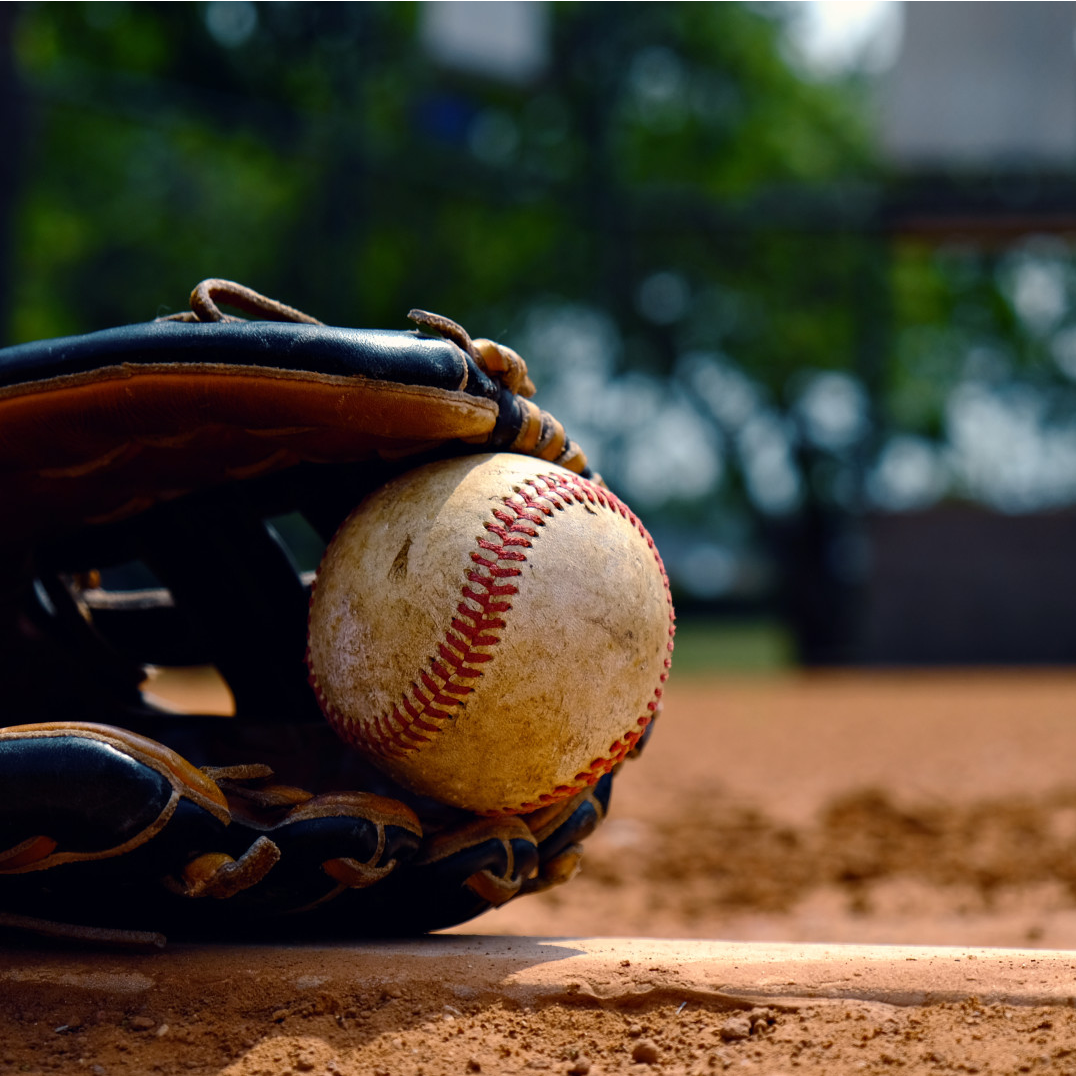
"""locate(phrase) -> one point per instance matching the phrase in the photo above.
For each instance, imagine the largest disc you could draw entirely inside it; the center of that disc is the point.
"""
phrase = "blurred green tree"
(662, 215)
(679, 230)
(656, 170)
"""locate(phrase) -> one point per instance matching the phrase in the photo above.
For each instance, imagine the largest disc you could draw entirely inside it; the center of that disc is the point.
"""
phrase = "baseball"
(493, 631)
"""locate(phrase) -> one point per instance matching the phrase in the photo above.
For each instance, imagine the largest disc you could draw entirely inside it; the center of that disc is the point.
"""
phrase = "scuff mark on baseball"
(493, 631)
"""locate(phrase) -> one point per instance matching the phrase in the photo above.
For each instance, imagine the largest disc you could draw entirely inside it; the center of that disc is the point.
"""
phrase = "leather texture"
(406, 358)
(169, 451)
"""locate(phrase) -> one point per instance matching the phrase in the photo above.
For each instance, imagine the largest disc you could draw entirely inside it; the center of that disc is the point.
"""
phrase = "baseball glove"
(140, 468)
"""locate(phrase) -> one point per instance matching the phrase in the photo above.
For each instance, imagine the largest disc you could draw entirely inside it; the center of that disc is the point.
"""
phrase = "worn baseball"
(493, 631)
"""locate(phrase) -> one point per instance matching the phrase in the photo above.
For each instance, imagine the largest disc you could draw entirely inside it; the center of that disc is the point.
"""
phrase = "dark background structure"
(818, 356)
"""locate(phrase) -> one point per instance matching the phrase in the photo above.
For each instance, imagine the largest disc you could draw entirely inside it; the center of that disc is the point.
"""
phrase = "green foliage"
(326, 158)
(668, 180)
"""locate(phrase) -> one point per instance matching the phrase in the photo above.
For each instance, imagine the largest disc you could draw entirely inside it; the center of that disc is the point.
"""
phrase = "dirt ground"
(368, 1038)
(916, 808)
(926, 808)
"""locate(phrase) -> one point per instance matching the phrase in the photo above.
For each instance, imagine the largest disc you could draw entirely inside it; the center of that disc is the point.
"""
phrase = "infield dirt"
(917, 808)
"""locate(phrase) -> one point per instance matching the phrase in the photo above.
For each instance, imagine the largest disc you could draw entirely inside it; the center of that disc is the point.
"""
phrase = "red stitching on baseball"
(476, 625)
(523, 512)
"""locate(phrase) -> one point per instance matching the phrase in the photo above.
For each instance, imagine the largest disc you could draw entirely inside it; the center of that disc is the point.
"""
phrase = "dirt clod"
(645, 1052)
(735, 1028)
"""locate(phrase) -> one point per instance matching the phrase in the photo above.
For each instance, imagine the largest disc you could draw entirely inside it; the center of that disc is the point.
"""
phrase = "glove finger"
(564, 824)
(78, 791)
(559, 831)
(92, 817)
(457, 875)
(327, 845)
(355, 837)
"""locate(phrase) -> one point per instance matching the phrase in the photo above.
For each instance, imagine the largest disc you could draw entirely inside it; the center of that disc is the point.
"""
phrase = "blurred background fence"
(799, 277)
